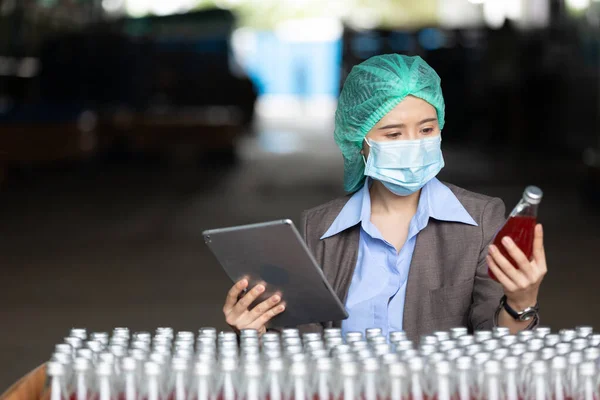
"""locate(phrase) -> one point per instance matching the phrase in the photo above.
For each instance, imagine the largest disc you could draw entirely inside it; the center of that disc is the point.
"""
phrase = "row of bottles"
(448, 365)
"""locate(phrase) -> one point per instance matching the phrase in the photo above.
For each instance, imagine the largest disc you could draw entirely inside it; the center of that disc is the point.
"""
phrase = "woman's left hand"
(521, 283)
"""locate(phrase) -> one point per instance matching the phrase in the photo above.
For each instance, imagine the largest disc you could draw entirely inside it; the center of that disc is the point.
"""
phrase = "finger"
(243, 303)
(266, 317)
(509, 270)
(265, 306)
(539, 254)
(504, 280)
(518, 257)
(233, 294)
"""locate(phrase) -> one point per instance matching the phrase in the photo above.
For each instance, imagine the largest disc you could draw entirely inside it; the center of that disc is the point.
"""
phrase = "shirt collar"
(436, 201)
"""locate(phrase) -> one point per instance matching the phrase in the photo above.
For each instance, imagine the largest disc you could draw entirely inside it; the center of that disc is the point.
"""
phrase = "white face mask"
(404, 166)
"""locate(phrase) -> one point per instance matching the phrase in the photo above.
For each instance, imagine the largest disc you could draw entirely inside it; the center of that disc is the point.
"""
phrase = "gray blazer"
(448, 284)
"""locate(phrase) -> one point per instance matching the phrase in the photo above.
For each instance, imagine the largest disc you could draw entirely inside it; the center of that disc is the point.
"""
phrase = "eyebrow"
(403, 125)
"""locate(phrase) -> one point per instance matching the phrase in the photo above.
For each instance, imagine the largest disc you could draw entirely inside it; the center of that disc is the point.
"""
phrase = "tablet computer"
(275, 253)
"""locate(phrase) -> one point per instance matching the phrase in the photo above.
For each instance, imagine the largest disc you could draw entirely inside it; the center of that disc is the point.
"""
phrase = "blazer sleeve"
(486, 292)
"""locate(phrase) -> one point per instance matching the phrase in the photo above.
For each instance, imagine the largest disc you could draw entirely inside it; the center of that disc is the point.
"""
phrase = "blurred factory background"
(127, 127)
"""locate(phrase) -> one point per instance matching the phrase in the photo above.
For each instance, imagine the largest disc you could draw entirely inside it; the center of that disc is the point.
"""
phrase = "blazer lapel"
(423, 269)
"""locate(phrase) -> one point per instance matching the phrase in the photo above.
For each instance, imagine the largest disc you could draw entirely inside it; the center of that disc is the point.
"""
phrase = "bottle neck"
(525, 209)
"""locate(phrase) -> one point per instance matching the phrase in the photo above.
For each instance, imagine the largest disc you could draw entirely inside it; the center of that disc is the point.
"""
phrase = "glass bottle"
(465, 383)
(520, 225)
(573, 380)
(397, 382)
(274, 384)
(250, 388)
(202, 387)
(57, 385)
(370, 380)
(152, 388)
(539, 388)
(442, 383)
(104, 375)
(226, 387)
(177, 388)
(129, 368)
(417, 382)
(511, 378)
(558, 381)
(82, 382)
(349, 388)
(322, 387)
(588, 389)
(297, 385)
(492, 381)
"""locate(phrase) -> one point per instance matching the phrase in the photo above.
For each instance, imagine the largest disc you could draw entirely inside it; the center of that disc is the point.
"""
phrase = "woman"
(405, 251)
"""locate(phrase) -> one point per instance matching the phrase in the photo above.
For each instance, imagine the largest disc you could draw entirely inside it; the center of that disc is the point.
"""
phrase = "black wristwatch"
(524, 315)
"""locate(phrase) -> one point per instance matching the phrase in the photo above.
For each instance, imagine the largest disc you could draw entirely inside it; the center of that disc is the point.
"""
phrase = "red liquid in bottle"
(521, 230)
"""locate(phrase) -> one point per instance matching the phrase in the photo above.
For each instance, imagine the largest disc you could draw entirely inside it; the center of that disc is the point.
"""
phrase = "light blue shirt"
(378, 288)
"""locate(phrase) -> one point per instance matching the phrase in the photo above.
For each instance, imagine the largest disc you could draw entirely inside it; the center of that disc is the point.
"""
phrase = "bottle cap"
(208, 331)
(528, 357)
(500, 331)
(482, 358)
(454, 354)
(500, 353)
(465, 340)
(63, 348)
(442, 335)
(458, 332)
(370, 365)
(563, 348)
(442, 367)
(492, 367)
(428, 340)
(104, 369)
(397, 370)
(377, 340)
(491, 344)
(587, 368)
(473, 349)
(575, 357)
(382, 348)
(591, 353)
(81, 364)
(566, 335)
(202, 369)
(290, 332)
(525, 336)
(349, 369)
(416, 364)
(404, 345)
(464, 363)
(54, 368)
(324, 364)
(434, 358)
(539, 367)
(542, 331)
(547, 353)
(275, 365)
(359, 345)
(447, 345)
(397, 336)
(579, 344)
(389, 358)
(551, 339)
(129, 364)
(559, 363)
(511, 363)
(594, 339)
(535, 344)
(533, 194)
(332, 332)
(80, 333)
(364, 354)
(427, 349)
(481, 336)
(508, 340)
(353, 336)
(408, 354)
(372, 332)
(518, 348)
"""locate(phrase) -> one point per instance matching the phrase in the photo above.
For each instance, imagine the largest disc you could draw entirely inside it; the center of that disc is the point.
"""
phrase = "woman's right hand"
(237, 312)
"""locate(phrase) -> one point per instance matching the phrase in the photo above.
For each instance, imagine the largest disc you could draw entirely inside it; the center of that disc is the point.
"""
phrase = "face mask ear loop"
(363, 156)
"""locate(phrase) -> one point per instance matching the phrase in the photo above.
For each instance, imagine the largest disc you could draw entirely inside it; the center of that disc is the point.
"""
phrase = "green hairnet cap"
(372, 89)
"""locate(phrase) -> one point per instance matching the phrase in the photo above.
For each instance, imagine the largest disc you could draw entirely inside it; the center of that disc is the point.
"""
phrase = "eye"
(427, 131)
(393, 135)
